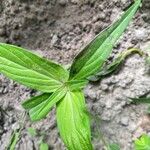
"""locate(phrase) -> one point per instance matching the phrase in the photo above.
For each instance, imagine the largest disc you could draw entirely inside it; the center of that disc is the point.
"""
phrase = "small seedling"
(143, 143)
(61, 87)
(16, 135)
(114, 146)
(32, 131)
(42, 145)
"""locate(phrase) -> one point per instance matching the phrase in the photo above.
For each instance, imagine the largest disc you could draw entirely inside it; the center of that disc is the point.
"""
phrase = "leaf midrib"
(27, 68)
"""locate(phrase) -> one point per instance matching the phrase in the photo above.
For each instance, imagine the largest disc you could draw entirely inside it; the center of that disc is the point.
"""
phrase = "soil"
(58, 30)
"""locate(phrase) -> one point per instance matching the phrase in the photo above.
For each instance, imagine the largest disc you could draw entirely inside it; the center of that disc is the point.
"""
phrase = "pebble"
(92, 94)
(132, 126)
(109, 104)
(2, 32)
(15, 126)
(124, 121)
(104, 87)
(75, 1)
(54, 39)
(124, 1)
(63, 2)
(141, 33)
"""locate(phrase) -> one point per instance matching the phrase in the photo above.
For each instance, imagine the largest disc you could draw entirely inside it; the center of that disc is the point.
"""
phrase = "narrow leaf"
(41, 110)
(89, 61)
(73, 122)
(109, 69)
(34, 101)
(148, 60)
(13, 141)
(16, 134)
(143, 143)
(30, 70)
(141, 100)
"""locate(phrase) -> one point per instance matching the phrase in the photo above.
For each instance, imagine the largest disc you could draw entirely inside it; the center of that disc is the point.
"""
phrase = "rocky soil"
(58, 30)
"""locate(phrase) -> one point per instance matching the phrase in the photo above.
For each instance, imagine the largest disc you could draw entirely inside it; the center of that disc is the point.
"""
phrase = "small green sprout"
(16, 135)
(143, 143)
(42, 145)
(114, 146)
(61, 87)
(32, 131)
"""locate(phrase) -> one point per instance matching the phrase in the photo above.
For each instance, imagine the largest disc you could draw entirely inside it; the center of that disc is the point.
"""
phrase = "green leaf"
(148, 60)
(34, 101)
(148, 111)
(108, 69)
(113, 146)
(141, 100)
(93, 56)
(76, 84)
(32, 131)
(31, 70)
(73, 123)
(143, 143)
(41, 110)
(13, 141)
(44, 146)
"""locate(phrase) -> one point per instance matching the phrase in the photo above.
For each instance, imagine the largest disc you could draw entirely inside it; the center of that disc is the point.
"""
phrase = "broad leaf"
(73, 122)
(31, 70)
(143, 143)
(109, 69)
(89, 61)
(42, 109)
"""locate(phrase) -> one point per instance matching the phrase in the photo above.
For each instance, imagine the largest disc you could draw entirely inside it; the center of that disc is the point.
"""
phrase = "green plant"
(114, 146)
(32, 131)
(42, 145)
(143, 143)
(99, 135)
(15, 137)
(62, 87)
(108, 69)
(144, 99)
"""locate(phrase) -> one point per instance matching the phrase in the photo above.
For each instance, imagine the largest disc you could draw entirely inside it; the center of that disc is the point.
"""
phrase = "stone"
(75, 1)
(63, 2)
(140, 33)
(124, 120)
